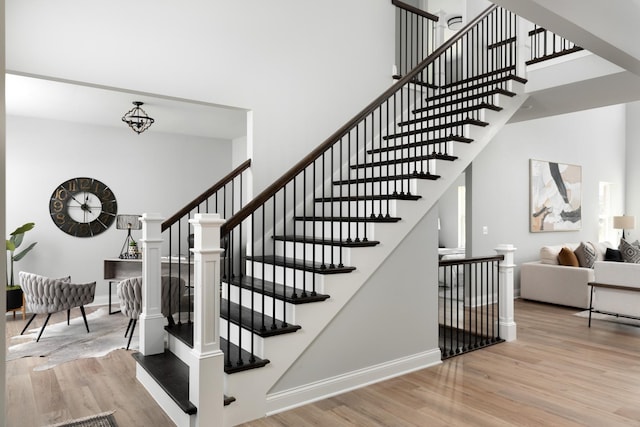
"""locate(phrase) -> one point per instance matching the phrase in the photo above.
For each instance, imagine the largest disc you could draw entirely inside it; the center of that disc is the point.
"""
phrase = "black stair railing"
(225, 197)
(282, 240)
(415, 36)
(546, 45)
(468, 304)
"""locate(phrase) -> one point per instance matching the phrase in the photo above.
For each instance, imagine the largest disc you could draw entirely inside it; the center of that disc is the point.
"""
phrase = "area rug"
(62, 343)
(101, 420)
(607, 318)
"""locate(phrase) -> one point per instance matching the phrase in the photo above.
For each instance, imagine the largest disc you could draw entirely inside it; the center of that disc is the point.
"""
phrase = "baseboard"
(298, 396)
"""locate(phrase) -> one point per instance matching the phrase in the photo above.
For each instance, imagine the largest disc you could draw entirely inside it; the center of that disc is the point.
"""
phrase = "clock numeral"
(109, 206)
(105, 193)
(84, 230)
(56, 205)
(60, 194)
(59, 219)
(84, 183)
(71, 186)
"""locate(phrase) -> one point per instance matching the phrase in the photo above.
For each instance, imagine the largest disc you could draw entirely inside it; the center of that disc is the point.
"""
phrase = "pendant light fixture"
(137, 118)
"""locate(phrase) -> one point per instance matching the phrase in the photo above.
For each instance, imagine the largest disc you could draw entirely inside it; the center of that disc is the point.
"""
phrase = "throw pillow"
(586, 254)
(613, 255)
(567, 257)
(629, 252)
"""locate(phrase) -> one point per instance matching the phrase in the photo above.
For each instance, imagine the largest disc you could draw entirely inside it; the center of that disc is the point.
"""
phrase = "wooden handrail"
(206, 194)
(473, 260)
(272, 189)
(415, 10)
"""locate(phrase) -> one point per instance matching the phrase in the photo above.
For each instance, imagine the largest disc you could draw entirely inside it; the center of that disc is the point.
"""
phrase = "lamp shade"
(624, 222)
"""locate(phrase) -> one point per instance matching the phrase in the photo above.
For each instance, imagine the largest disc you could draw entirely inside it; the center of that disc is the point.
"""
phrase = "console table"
(117, 269)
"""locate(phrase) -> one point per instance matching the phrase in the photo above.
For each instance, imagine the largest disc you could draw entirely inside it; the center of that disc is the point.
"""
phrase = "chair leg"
(28, 323)
(68, 316)
(43, 326)
(128, 327)
(84, 316)
(133, 327)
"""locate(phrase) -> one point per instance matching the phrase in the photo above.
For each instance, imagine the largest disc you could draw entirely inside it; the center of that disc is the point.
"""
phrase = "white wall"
(448, 214)
(594, 139)
(632, 193)
(392, 317)
(150, 172)
(303, 67)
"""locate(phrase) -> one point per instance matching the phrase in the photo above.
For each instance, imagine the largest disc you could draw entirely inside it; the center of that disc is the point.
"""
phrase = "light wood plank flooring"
(558, 373)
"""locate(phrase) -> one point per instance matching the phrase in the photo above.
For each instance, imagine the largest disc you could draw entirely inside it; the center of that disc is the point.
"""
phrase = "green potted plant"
(14, 292)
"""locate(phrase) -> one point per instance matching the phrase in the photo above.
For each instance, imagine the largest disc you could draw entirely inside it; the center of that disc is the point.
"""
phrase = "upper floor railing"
(415, 36)
(546, 45)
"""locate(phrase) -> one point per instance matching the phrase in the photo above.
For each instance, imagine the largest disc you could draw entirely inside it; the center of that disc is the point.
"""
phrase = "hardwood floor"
(558, 373)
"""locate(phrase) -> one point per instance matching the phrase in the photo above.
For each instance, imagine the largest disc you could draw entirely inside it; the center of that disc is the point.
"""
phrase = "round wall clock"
(83, 207)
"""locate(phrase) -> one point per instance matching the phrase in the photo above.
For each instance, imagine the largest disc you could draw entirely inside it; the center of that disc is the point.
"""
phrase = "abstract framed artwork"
(555, 196)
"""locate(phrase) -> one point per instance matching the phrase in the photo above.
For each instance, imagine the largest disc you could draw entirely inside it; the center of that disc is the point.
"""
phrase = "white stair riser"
(399, 152)
(495, 99)
(233, 333)
(299, 250)
(287, 276)
(401, 168)
(336, 229)
(454, 116)
(427, 134)
(375, 188)
(360, 208)
(261, 303)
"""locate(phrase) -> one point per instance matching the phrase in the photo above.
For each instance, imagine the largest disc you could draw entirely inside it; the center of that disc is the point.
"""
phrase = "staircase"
(296, 254)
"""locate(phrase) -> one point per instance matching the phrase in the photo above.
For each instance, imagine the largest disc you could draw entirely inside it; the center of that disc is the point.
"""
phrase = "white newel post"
(206, 376)
(523, 49)
(506, 271)
(151, 320)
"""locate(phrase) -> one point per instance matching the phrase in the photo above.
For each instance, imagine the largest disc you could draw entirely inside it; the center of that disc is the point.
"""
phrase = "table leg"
(111, 311)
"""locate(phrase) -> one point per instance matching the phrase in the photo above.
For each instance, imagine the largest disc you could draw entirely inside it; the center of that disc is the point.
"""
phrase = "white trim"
(165, 402)
(298, 396)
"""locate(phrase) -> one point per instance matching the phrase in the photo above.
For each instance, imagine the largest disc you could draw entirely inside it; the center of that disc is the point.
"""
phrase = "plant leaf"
(19, 255)
(23, 228)
(10, 245)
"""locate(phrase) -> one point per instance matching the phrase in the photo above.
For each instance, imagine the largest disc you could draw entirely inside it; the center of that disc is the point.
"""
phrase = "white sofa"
(547, 281)
(625, 301)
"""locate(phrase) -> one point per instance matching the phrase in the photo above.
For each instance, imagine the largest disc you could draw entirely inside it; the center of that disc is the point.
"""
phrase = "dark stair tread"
(387, 178)
(228, 400)
(453, 112)
(278, 291)
(499, 72)
(427, 129)
(328, 242)
(474, 86)
(171, 374)
(443, 102)
(254, 321)
(365, 197)
(433, 156)
(234, 362)
(184, 332)
(454, 138)
(502, 42)
(315, 267)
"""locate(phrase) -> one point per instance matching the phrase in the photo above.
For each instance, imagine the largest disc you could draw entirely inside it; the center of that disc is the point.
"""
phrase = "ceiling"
(30, 96)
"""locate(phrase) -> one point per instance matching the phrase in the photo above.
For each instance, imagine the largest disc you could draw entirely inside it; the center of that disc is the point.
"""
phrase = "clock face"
(83, 207)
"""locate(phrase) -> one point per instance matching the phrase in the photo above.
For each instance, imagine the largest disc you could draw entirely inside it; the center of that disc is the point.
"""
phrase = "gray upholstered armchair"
(44, 295)
(130, 296)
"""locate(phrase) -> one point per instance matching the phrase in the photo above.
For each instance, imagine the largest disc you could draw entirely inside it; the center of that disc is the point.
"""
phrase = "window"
(606, 233)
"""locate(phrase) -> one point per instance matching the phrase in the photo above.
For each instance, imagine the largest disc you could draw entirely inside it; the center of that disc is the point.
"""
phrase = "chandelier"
(137, 118)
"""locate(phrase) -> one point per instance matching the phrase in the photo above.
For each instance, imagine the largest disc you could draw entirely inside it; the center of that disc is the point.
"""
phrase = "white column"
(523, 48)
(506, 272)
(151, 321)
(206, 375)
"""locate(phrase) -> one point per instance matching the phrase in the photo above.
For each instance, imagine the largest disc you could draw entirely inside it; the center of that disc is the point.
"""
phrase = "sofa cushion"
(613, 255)
(549, 254)
(601, 249)
(586, 254)
(568, 258)
(630, 253)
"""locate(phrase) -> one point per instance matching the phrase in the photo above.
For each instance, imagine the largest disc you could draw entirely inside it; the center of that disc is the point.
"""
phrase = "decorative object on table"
(44, 295)
(14, 291)
(137, 118)
(624, 222)
(555, 196)
(83, 207)
(130, 248)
